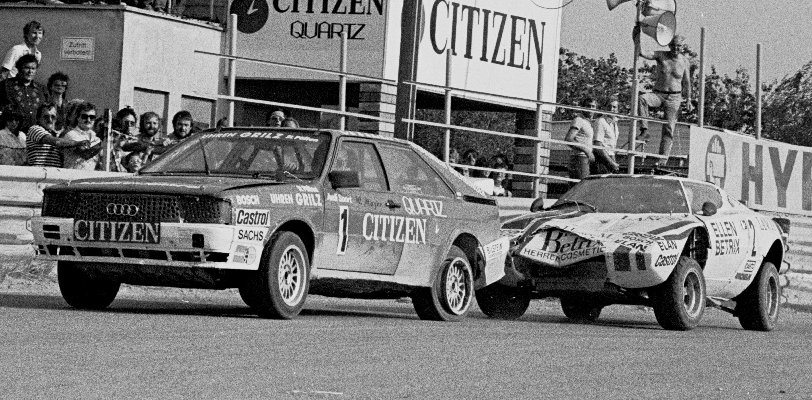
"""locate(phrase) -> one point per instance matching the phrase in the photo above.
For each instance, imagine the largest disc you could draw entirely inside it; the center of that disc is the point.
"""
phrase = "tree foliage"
(787, 109)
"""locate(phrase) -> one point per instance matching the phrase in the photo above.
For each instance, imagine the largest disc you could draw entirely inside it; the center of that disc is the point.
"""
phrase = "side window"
(699, 193)
(408, 173)
(363, 158)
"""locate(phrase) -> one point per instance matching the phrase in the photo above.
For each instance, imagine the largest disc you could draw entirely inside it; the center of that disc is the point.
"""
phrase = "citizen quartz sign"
(716, 162)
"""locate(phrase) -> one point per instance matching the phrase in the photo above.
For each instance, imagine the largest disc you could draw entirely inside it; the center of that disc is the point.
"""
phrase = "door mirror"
(344, 179)
(708, 209)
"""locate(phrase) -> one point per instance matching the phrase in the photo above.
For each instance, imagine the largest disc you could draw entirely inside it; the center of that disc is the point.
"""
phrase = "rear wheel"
(283, 280)
(757, 307)
(580, 310)
(503, 302)
(451, 293)
(680, 302)
(83, 290)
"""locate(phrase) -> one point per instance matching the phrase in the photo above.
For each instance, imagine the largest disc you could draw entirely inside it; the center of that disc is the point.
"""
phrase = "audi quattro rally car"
(279, 213)
(669, 243)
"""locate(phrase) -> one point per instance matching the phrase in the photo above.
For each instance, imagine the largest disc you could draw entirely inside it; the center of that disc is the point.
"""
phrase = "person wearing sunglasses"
(82, 130)
(43, 147)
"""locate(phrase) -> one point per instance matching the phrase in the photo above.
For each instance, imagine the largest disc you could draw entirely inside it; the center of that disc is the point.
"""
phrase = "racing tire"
(680, 302)
(579, 310)
(757, 307)
(503, 302)
(83, 290)
(450, 295)
(248, 294)
(283, 281)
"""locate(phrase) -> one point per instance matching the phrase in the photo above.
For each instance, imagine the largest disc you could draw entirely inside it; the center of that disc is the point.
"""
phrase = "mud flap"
(495, 256)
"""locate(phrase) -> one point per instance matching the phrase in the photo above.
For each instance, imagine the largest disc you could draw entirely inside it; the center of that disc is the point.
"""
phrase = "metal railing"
(449, 93)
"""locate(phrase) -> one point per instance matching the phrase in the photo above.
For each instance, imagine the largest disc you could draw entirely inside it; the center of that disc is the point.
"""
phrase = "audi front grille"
(135, 207)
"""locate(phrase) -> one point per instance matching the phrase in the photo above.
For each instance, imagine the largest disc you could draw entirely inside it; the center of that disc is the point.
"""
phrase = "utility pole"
(407, 70)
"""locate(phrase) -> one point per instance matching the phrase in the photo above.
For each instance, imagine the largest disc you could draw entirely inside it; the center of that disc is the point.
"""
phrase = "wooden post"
(700, 108)
(407, 70)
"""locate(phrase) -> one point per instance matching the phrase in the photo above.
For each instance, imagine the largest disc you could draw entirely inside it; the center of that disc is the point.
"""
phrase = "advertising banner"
(764, 174)
(496, 46)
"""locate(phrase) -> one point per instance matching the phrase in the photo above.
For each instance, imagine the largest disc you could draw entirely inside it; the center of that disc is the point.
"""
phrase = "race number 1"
(343, 228)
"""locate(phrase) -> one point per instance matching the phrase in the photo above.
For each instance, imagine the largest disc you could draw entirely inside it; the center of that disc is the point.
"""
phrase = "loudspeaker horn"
(614, 3)
(660, 27)
(657, 7)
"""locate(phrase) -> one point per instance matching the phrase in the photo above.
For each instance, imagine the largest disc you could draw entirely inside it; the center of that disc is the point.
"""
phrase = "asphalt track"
(167, 344)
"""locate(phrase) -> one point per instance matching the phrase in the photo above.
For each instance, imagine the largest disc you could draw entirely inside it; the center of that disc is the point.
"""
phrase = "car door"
(362, 224)
(429, 204)
(729, 232)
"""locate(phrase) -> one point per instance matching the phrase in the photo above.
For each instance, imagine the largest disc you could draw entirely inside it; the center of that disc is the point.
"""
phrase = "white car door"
(730, 235)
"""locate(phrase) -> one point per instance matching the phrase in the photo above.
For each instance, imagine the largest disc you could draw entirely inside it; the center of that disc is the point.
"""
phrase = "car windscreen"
(628, 195)
(281, 155)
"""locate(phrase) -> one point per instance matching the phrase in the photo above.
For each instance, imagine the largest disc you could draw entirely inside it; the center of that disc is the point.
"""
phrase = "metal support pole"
(342, 84)
(539, 121)
(232, 65)
(635, 94)
(758, 91)
(447, 141)
(108, 146)
(700, 108)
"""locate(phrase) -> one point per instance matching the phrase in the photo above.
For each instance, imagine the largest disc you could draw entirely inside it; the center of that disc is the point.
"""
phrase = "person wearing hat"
(671, 79)
(275, 118)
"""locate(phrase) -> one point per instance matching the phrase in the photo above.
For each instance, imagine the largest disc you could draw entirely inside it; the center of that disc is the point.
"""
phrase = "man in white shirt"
(32, 34)
(606, 132)
(580, 135)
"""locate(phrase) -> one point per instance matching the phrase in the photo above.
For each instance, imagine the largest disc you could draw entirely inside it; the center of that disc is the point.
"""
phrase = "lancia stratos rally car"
(674, 244)
(279, 213)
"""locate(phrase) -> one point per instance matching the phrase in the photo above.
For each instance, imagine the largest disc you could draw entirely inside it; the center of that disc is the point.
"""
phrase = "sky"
(732, 30)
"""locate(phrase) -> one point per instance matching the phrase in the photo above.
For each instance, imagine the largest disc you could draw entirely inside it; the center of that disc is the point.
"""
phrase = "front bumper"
(180, 245)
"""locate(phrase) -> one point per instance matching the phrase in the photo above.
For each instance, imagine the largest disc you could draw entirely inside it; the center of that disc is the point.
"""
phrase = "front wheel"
(680, 302)
(757, 307)
(580, 310)
(450, 295)
(503, 302)
(83, 290)
(283, 280)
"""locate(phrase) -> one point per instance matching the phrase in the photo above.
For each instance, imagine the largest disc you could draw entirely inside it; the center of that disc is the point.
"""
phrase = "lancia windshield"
(628, 195)
(280, 155)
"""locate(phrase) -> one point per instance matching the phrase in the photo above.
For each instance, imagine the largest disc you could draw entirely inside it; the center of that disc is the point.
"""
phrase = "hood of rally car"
(627, 241)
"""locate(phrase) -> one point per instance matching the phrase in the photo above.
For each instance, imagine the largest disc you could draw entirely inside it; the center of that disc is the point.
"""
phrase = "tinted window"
(362, 158)
(699, 193)
(629, 195)
(408, 173)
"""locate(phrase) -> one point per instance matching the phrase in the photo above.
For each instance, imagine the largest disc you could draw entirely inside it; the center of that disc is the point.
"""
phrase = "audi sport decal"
(394, 228)
(252, 217)
(339, 198)
(116, 231)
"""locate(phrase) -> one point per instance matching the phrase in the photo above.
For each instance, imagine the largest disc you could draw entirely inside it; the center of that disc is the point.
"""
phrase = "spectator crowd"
(41, 126)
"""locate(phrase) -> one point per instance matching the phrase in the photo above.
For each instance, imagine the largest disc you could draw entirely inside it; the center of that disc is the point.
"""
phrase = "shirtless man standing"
(671, 79)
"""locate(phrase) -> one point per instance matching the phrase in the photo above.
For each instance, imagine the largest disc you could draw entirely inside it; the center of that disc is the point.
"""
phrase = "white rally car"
(674, 244)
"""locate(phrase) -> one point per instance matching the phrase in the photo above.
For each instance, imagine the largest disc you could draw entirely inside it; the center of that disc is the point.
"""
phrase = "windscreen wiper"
(205, 159)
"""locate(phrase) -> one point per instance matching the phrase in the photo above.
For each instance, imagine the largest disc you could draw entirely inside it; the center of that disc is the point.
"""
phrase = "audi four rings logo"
(128, 210)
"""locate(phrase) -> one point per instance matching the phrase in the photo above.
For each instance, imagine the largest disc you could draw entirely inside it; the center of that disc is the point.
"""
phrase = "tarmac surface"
(178, 343)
